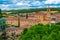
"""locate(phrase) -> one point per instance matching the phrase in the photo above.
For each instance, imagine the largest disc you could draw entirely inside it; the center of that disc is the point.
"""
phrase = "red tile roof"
(22, 19)
(11, 29)
(38, 13)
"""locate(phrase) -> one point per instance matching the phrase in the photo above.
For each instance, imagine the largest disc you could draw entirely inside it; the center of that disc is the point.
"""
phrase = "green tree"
(42, 32)
(3, 28)
(26, 16)
(1, 15)
(25, 30)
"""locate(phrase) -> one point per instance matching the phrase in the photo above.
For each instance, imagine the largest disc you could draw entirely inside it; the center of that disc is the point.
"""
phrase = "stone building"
(33, 19)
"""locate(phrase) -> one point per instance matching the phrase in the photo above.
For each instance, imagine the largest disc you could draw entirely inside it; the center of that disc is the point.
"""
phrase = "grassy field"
(54, 12)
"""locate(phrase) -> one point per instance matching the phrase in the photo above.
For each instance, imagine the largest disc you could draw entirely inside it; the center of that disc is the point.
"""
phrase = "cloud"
(52, 1)
(18, 4)
(22, 4)
(36, 3)
(4, 7)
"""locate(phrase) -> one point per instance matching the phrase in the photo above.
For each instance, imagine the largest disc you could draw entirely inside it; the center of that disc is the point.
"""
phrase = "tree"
(25, 30)
(4, 36)
(3, 28)
(0, 10)
(1, 15)
(1, 38)
(42, 32)
(58, 23)
(26, 16)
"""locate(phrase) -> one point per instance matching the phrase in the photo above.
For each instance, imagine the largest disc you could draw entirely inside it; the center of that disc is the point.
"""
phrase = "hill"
(30, 10)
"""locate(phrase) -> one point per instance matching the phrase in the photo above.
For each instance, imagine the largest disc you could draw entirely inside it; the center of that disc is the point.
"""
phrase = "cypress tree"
(1, 14)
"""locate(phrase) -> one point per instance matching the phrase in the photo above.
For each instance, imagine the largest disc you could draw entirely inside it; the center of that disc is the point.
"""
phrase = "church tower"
(48, 12)
(48, 15)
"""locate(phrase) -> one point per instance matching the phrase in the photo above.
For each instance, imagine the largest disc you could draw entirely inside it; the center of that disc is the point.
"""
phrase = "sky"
(26, 4)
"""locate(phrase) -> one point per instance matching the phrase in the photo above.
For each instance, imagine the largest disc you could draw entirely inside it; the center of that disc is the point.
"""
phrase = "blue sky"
(25, 4)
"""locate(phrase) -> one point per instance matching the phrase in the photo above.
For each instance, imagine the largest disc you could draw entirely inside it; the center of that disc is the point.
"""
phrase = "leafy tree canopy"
(42, 32)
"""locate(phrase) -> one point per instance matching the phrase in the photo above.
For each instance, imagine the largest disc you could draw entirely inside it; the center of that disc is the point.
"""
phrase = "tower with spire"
(48, 12)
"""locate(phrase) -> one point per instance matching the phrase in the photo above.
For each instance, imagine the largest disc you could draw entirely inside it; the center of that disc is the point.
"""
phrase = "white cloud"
(52, 1)
(36, 3)
(54, 6)
(29, 3)
(4, 7)
(14, 1)
(19, 3)
(22, 4)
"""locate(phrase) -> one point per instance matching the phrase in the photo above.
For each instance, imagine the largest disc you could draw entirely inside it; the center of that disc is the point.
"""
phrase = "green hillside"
(31, 10)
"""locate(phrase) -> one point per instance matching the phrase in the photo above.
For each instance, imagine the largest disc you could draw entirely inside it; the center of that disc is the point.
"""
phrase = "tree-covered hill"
(31, 10)
(42, 32)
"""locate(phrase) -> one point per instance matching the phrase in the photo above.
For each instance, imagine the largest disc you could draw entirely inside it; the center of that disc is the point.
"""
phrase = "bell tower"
(48, 12)
(48, 15)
